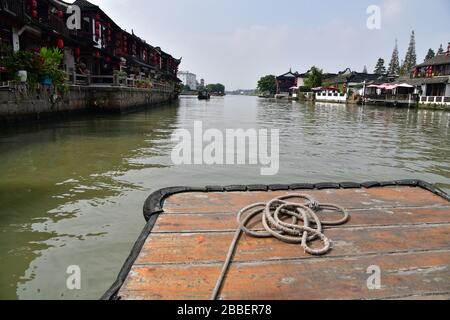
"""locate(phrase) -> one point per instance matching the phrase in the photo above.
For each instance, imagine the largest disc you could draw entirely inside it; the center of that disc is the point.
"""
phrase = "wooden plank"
(402, 275)
(191, 223)
(387, 197)
(404, 230)
(213, 247)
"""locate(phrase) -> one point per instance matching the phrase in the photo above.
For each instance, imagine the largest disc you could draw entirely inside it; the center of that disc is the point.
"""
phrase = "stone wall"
(18, 103)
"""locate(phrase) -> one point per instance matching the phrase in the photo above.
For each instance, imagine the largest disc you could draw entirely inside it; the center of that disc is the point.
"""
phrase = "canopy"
(390, 86)
(405, 85)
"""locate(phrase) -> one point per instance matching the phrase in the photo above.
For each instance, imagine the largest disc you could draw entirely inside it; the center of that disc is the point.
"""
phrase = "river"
(71, 192)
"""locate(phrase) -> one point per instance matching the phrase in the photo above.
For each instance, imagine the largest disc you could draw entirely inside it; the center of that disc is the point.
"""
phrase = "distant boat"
(204, 95)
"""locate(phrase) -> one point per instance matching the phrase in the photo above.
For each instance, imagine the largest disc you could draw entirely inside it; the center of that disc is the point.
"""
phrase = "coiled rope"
(305, 227)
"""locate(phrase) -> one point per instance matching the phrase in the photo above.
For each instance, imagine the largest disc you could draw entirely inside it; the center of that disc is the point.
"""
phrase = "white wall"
(329, 96)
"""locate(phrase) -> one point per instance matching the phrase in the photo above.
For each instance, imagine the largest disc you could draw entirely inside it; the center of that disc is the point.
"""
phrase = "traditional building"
(286, 82)
(433, 76)
(98, 48)
(351, 80)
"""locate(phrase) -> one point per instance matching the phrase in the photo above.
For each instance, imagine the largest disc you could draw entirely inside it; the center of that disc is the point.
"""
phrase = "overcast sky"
(235, 42)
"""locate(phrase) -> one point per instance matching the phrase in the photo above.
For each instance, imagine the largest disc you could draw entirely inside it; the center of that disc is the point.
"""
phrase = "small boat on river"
(204, 95)
(399, 227)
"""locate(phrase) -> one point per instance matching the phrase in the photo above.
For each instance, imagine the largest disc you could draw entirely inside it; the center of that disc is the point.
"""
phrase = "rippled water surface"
(71, 192)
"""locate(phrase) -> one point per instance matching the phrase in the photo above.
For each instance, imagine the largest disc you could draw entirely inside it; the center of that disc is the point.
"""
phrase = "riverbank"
(17, 103)
(344, 99)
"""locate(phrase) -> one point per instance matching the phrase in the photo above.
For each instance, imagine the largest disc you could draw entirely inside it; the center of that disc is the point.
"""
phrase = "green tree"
(411, 58)
(267, 84)
(394, 65)
(403, 68)
(430, 55)
(365, 69)
(440, 50)
(314, 78)
(216, 88)
(380, 68)
(220, 88)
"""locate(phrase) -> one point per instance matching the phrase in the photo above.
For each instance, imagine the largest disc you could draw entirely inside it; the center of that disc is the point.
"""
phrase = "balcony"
(12, 7)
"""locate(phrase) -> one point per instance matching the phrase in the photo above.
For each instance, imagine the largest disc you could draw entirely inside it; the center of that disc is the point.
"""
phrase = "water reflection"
(61, 187)
(71, 193)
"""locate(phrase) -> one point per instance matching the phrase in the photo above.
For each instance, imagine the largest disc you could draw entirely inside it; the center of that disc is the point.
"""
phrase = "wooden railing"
(5, 84)
(116, 81)
(434, 100)
(391, 97)
(12, 7)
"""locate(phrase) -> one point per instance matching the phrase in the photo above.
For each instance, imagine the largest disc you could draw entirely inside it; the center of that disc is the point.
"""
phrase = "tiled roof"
(437, 60)
(345, 77)
(289, 74)
(420, 81)
(84, 4)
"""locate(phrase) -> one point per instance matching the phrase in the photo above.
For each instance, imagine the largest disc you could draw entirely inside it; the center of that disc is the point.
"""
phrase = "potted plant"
(19, 63)
(50, 72)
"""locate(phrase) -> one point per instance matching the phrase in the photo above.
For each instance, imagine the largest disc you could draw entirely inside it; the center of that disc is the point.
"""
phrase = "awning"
(390, 86)
(404, 85)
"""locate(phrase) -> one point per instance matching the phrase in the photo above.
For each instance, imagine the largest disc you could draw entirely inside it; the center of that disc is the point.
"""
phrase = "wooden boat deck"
(405, 230)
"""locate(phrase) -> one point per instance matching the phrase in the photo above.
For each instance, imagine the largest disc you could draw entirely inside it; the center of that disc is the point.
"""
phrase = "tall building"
(189, 79)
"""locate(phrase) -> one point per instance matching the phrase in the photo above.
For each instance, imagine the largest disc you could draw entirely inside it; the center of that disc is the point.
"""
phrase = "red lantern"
(34, 4)
(34, 13)
(97, 17)
(60, 13)
(97, 54)
(77, 52)
(60, 43)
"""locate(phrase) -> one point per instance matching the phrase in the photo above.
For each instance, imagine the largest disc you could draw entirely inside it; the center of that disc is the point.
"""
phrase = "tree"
(314, 78)
(403, 68)
(411, 58)
(267, 84)
(365, 69)
(394, 65)
(430, 55)
(380, 68)
(216, 88)
(440, 50)
(219, 88)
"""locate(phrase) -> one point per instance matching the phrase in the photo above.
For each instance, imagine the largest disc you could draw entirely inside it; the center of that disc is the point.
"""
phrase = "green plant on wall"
(51, 62)
(43, 65)
(20, 60)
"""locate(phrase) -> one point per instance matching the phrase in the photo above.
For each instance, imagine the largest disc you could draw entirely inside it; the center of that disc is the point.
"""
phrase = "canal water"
(71, 192)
